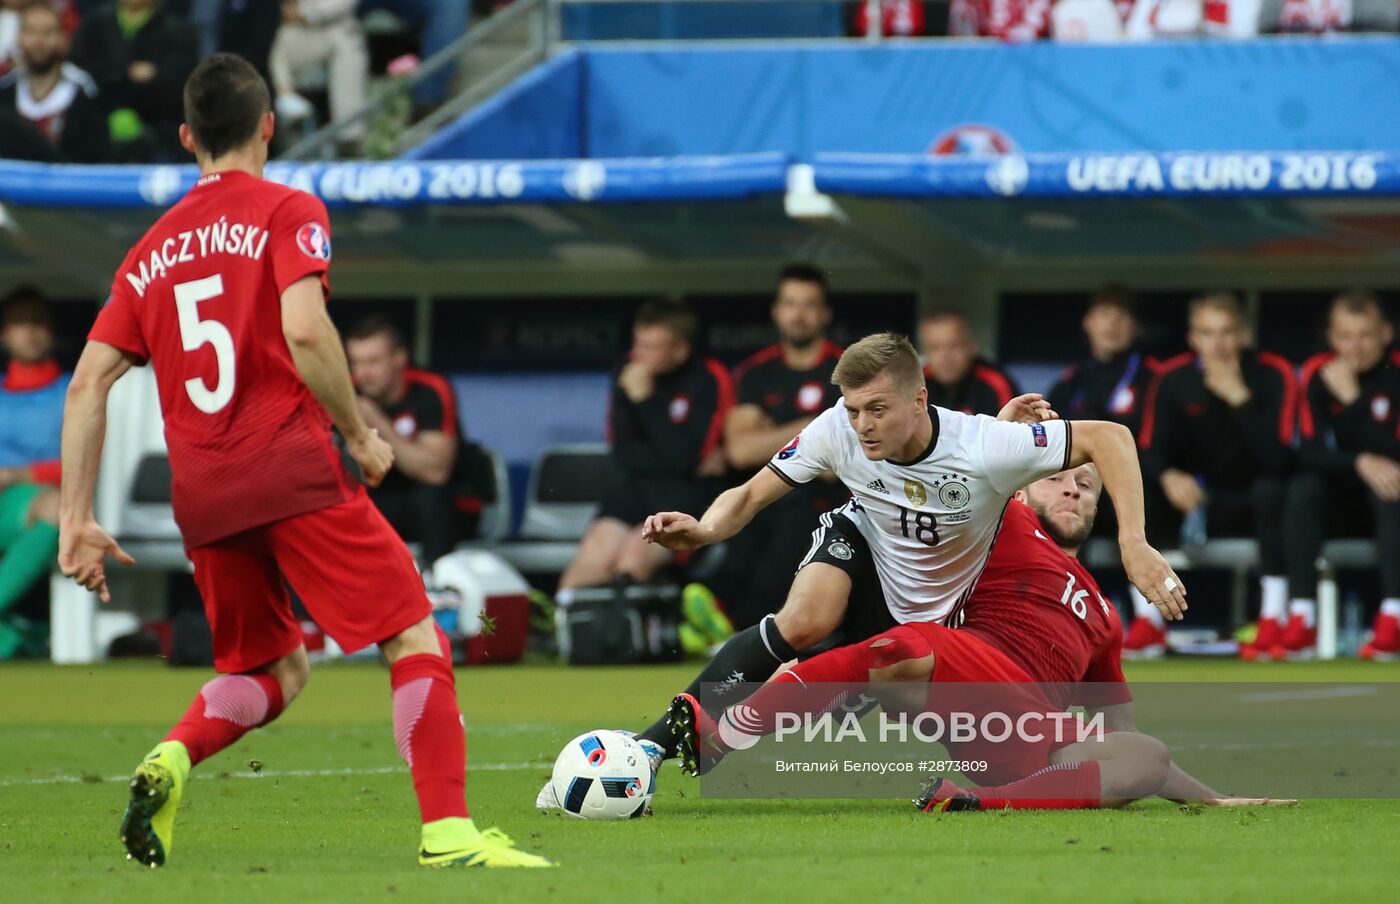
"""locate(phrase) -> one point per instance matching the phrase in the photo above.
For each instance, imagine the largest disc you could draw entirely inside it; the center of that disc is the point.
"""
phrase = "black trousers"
(1254, 509)
(426, 515)
(1322, 507)
(760, 561)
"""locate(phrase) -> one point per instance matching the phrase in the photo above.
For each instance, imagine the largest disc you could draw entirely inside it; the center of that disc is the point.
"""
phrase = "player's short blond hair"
(1223, 302)
(874, 355)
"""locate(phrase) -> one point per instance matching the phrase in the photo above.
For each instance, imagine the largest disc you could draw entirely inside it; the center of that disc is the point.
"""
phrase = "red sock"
(816, 686)
(1064, 786)
(429, 732)
(226, 709)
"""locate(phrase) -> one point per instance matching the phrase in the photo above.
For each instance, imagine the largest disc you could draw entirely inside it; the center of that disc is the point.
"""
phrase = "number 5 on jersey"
(196, 333)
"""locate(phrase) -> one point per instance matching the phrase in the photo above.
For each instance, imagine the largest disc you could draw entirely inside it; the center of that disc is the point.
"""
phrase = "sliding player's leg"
(359, 583)
(262, 666)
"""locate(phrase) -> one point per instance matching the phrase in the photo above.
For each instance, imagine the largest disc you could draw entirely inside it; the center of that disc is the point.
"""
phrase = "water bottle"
(1350, 641)
(1193, 526)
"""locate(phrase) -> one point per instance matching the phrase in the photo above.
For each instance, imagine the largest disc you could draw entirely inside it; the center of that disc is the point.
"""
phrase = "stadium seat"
(496, 516)
(133, 503)
(566, 486)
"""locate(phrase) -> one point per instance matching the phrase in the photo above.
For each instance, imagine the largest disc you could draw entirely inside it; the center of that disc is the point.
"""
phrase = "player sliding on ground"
(929, 486)
(226, 297)
(1037, 615)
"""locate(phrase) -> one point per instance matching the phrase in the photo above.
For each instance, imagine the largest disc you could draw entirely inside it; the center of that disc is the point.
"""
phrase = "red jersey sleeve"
(117, 325)
(300, 239)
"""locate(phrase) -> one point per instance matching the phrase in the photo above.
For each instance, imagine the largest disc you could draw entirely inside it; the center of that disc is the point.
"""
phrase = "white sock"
(1143, 609)
(1390, 607)
(1273, 593)
(1305, 608)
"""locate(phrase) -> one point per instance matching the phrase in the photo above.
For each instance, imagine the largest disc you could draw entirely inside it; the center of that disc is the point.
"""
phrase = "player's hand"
(1182, 490)
(714, 464)
(1226, 380)
(1340, 379)
(374, 456)
(1381, 474)
(82, 552)
(1155, 579)
(675, 530)
(636, 381)
(1028, 408)
(1250, 802)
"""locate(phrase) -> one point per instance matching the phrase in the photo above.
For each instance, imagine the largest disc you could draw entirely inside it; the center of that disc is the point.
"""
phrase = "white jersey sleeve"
(815, 450)
(1018, 454)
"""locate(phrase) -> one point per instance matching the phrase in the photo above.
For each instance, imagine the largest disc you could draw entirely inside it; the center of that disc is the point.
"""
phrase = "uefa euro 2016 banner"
(401, 183)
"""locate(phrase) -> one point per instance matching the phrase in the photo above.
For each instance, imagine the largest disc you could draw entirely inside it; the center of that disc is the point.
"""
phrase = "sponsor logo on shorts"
(1038, 432)
(915, 491)
(878, 486)
(840, 549)
(789, 450)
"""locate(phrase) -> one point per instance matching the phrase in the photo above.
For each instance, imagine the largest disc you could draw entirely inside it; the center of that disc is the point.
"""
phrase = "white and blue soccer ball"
(603, 774)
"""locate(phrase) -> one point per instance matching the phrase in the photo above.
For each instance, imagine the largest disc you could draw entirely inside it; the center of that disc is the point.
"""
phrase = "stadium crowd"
(92, 82)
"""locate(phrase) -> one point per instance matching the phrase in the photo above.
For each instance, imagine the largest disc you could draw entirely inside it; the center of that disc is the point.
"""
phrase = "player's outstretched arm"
(726, 516)
(82, 543)
(320, 359)
(1112, 450)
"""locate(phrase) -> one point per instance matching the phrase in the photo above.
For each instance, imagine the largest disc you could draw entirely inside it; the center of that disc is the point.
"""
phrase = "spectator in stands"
(780, 389)
(439, 23)
(666, 421)
(321, 33)
(31, 416)
(897, 19)
(1216, 442)
(434, 493)
(54, 99)
(139, 54)
(1349, 479)
(957, 377)
(1112, 383)
(1009, 20)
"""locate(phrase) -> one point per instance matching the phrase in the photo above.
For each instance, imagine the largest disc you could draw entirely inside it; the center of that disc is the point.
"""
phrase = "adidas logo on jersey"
(878, 486)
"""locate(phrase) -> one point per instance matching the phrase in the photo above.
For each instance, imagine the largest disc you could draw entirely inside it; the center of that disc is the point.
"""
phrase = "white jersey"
(929, 522)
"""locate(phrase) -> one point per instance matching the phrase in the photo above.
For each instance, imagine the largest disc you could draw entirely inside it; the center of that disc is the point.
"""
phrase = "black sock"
(751, 656)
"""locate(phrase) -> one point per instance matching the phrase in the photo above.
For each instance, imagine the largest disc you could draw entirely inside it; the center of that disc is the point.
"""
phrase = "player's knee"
(44, 507)
(1153, 764)
(412, 641)
(900, 655)
(805, 621)
(292, 672)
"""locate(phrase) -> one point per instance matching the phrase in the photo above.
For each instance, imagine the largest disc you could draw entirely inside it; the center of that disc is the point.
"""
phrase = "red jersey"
(1045, 611)
(200, 298)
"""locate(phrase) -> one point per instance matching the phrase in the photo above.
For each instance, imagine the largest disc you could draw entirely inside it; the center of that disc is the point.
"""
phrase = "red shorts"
(348, 566)
(993, 685)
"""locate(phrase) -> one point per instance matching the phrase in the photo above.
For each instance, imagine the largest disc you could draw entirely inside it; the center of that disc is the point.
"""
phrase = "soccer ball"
(603, 775)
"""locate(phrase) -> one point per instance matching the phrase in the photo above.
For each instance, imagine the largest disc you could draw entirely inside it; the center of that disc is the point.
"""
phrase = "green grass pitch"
(332, 816)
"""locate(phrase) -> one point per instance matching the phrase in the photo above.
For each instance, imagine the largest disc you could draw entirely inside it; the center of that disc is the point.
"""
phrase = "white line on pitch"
(269, 773)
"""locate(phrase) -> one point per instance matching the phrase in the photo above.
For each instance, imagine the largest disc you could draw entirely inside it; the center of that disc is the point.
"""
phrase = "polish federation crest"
(1380, 407)
(314, 241)
(810, 397)
(406, 425)
(1122, 401)
(915, 491)
(680, 409)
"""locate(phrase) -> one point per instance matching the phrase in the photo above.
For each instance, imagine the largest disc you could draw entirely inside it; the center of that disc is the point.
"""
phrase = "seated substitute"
(780, 389)
(31, 418)
(1349, 479)
(957, 376)
(433, 495)
(665, 424)
(1216, 444)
